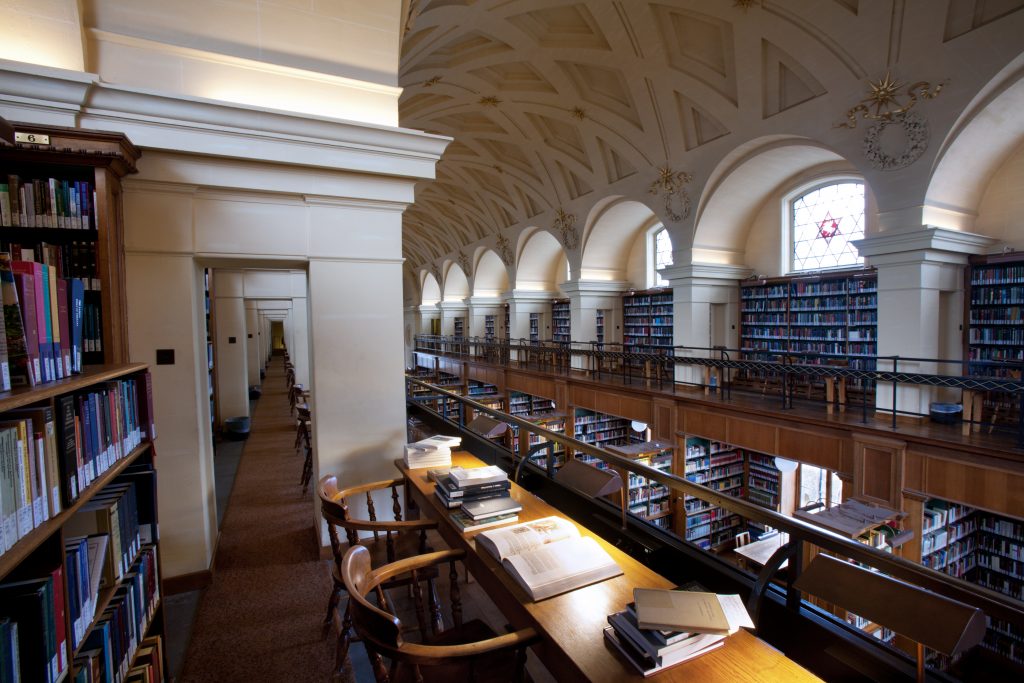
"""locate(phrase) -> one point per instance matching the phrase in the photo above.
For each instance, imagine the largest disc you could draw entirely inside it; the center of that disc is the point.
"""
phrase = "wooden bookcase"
(508, 323)
(994, 318)
(459, 327)
(647, 499)
(561, 321)
(42, 551)
(599, 326)
(95, 161)
(535, 328)
(489, 331)
(542, 412)
(834, 315)
(647, 320)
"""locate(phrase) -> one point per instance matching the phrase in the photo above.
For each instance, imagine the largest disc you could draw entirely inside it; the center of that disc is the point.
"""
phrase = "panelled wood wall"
(888, 468)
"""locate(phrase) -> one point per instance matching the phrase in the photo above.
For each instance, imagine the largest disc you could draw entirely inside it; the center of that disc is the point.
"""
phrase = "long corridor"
(260, 620)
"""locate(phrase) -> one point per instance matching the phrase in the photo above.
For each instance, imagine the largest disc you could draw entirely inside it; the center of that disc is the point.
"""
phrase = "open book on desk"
(548, 556)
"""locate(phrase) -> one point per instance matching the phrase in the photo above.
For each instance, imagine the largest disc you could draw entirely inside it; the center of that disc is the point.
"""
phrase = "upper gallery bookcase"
(99, 159)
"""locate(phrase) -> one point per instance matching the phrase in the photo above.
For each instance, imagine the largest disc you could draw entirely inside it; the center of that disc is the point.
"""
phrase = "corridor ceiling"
(558, 104)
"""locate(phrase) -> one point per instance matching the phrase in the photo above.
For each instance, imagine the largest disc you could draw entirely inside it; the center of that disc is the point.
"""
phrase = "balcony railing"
(719, 370)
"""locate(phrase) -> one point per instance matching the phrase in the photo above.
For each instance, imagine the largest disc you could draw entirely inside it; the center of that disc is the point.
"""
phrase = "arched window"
(662, 245)
(823, 222)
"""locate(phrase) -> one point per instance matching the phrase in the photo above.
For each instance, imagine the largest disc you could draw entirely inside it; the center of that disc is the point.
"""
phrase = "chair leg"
(344, 638)
(332, 605)
(307, 470)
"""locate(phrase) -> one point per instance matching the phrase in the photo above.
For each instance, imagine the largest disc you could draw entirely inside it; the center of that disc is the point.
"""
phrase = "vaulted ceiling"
(551, 101)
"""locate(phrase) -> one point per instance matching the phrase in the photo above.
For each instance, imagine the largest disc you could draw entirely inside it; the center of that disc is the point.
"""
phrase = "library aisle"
(260, 620)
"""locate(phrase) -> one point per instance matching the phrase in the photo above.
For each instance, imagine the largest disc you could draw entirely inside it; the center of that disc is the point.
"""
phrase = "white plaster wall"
(252, 344)
(231, 363)
(42, 32)
(1001, 212)
(180, 393)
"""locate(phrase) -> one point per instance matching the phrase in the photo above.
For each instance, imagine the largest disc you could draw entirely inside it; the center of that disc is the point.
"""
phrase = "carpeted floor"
(260, 620)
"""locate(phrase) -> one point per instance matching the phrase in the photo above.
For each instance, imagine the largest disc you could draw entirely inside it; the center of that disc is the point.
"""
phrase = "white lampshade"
(638, 426)
(784, 465)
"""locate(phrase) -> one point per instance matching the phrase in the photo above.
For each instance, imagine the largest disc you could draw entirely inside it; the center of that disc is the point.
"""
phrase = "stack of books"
(663, 628)
(434, 451)
(481, 496)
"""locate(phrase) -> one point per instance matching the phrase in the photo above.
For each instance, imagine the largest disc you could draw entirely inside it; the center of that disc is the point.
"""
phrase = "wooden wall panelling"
(703, 423)
(817, 449)
(757, 436)
(998, 487)
(878, 470)
(913, 505)
(663, 420)
(562, 395)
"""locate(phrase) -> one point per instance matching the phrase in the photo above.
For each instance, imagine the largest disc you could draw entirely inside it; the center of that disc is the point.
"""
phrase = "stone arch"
(490, 278)
(541, 261)
(430, 291)
(614, 244)
(456, 285)
(989, 132)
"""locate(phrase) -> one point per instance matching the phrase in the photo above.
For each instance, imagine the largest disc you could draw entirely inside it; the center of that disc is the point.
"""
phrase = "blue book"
(46, 345)
(76, 305)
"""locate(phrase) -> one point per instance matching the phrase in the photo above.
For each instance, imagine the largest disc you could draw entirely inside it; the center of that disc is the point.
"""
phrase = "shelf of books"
(599, 429)
(763, 483)
(79, 566)
(542, 412)
(995, 315)
(983, 548)
(720, 467)
(459, 327)
(60, 225)
(647, 499)
(489, 331)
(647, 320)
(484, 393)
(833, 316)
(599, 326)
(508, 323)
(561, 321)
(534, 328)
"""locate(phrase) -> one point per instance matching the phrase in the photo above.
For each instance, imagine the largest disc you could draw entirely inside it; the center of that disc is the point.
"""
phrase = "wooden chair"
(467, 652)
(742, 538)
(401, 539)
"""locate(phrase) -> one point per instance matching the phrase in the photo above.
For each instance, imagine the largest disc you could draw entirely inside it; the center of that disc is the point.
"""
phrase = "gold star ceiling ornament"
(885, 100)
(431, 81)
(672, 184)
(489, 101)
(578, 113)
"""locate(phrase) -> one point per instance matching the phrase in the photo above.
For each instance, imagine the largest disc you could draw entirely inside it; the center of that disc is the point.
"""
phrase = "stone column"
(705, 311)
(918, 270)
(586, 297)
(230, 364)
(450, 310)
(252, 343)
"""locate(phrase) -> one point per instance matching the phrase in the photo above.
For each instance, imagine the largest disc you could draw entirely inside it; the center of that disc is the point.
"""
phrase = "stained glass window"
(662, 255)
(824, 222)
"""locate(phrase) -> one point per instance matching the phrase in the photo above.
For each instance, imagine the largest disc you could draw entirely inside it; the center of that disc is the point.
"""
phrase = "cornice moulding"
(527, 296)
(483, 301)
(595, 286)
(705, 271)
(928, 238)
(451, 305)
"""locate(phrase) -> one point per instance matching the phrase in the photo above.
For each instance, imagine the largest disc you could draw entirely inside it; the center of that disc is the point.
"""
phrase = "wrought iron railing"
(720, 368)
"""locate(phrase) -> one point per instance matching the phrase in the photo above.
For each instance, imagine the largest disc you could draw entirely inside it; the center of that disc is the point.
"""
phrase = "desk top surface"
(571, 624)
(761, 550)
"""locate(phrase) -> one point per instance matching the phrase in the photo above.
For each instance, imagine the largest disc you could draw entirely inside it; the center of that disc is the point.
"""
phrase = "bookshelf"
(647, 320)
(60, 207)
(508, 323)
(835, 315)
(601, 430)
(561, 321)
(535, 328)
(84, 476)
(995, 325)
(542, 412)
(599, 326)
(489, 331)
(459, 327)
(647, 499)
(763, 483)
(481, 392)
(718, 466)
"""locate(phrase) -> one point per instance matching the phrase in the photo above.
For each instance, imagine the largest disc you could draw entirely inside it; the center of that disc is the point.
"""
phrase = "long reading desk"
(571, 624)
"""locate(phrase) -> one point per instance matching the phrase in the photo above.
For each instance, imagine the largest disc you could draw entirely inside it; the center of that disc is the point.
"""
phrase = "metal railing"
(992, 603)
(720, 369)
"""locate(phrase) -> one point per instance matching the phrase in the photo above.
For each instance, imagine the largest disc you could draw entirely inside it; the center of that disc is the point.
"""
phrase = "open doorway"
(277, 337)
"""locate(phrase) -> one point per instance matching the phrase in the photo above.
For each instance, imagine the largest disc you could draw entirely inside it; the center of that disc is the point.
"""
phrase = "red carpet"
(260, 619)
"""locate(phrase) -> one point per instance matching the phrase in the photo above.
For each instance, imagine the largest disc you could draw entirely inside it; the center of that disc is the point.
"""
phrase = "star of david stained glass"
(824, 222)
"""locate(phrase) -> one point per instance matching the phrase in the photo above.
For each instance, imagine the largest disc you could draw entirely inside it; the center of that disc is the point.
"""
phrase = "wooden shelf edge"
(93, 374)
(27, 545)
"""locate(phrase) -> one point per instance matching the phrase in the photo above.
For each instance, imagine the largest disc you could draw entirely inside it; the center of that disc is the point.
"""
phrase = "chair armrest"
(401, 567)
(509, 641)
(382, 526)
(373, 486)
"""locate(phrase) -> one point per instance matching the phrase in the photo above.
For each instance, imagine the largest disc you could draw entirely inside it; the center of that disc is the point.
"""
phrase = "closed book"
(19, 361)
(491, 507)
(24, 283)
(67, 449)
(64, 324)
(36, 270)
(489, 474)
(30, 604)
(9, 484)
(442, 494)
(455, 491)
(645, 664)
(76, 313)
(465, 524)
(680, 611)
(54, 322)
(46, 429)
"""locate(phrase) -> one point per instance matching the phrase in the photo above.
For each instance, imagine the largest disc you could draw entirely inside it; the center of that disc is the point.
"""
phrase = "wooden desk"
(573, 646)
(760, 551)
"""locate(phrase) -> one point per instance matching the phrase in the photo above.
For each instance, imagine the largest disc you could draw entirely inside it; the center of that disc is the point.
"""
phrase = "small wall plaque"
(32, 138)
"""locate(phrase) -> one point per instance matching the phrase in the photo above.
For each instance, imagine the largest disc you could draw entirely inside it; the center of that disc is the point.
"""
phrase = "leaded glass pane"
(662, 255)
(824, 222)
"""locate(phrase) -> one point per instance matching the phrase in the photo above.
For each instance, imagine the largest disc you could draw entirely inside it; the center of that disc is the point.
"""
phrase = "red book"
(27, 299)
(64, 324)
(59, 618)
(36, 271)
